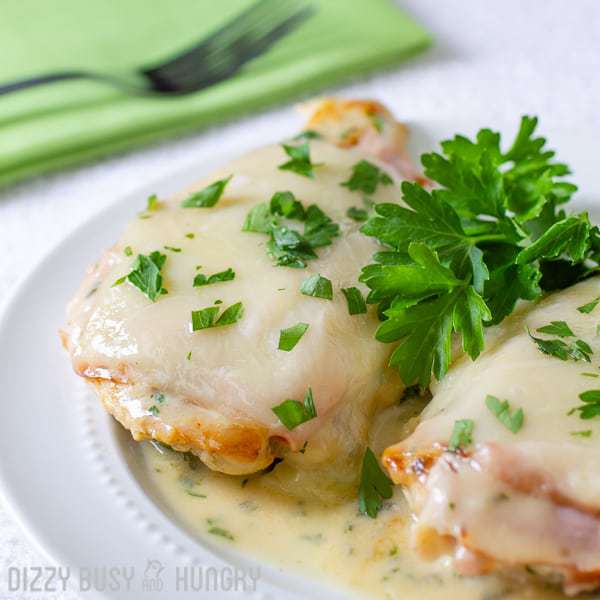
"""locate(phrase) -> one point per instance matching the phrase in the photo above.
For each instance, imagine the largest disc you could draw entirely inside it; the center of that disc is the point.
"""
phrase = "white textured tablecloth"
(493, 61)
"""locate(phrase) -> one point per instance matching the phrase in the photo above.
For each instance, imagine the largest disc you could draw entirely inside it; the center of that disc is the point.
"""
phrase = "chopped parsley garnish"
(200, 279)
(462, 435)
(492, 231)
(366, 177)
(207, 197)
(378, 122)
(318, 287)
(195, 495)
(158, 397)
(189, 355)
(172, 248)
(375, 486)
(216, 530)
(286, 246)
(559, 328)
(590, 374)
(589, 307)
(190, 235)
(259, 219)
(292, 413)
(357, 214)
(299, 162)
(153, 203)
(355, 300)
(154, 410)
(586, 433)
(577, 350)
(308, 134)
(591, 406)
(127, 251)
(207, 317)
(145, 275)
(288, 338)
(501, 410)
(319, 229)
(286, 205)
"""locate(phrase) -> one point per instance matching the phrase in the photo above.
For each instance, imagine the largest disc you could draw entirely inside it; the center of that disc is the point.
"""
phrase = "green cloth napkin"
(67, 123)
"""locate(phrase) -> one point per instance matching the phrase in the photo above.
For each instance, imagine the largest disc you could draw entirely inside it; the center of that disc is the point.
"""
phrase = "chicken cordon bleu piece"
(502, 470)
(228, 321)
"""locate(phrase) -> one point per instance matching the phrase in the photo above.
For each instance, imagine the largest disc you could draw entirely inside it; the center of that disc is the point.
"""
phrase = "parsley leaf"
(319, 229)
(215, 530)
(559, 328)
(584, 434)
(145, 275)
(589, 307)
(127, 251)
(501, 410)
(259, 219)
(153, 203)
(288, 338)
(355, 300)
(378, 122)
(591, 406)
(568, 237)
(207, 317)
(366, 177)
(299, 162)
(461, 436)
(207, 197)
(427, 303)
(308, 134)
(577, 350)
(375, 486)
(288, 247)
(200, 279)
(286, 205)
(292, 413)
(317, 286)
(357, 214)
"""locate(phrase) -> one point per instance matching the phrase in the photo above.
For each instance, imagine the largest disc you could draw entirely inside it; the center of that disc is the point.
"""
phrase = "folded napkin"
(62, 124)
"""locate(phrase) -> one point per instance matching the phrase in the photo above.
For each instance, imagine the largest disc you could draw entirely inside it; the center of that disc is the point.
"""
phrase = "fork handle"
(23, 84)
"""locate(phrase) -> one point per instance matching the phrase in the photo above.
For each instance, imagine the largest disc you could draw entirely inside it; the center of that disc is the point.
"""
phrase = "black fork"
(215, 58)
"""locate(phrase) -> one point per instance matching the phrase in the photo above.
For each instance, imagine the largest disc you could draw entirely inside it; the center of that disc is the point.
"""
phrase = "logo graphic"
(152, 581)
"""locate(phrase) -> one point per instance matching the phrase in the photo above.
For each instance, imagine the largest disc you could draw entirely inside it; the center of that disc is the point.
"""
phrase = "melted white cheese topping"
(237, 370)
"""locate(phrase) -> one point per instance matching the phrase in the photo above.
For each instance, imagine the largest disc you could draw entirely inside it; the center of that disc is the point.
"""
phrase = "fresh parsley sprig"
(461, 256)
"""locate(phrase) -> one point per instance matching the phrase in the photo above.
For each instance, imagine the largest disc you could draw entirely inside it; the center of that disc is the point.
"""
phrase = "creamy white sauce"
(332, 543)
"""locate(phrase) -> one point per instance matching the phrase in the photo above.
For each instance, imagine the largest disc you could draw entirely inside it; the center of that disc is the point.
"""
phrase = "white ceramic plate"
(72, 476)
